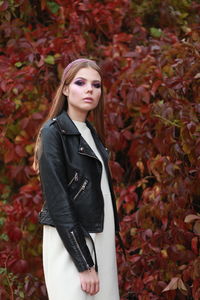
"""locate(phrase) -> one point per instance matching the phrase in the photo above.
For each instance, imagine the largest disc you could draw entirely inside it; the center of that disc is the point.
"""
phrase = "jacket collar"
(66, 125)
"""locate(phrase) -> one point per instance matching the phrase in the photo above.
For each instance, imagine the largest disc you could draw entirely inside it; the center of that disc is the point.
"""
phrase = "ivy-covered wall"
(150, 55)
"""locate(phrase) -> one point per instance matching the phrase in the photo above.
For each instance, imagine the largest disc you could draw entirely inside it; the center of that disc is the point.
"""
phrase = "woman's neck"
(77, 116)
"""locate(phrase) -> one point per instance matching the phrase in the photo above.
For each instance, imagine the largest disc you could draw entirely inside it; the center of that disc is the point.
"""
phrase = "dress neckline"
(80, 124)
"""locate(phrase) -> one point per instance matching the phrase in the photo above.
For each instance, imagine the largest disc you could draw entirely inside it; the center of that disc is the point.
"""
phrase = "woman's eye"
(97, 85)
(79, 82)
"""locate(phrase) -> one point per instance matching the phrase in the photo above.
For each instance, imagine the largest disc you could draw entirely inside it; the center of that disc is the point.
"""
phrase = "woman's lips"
(89, 100)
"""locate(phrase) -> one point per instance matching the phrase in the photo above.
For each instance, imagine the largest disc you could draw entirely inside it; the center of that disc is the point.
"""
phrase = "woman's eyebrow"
(96, 80)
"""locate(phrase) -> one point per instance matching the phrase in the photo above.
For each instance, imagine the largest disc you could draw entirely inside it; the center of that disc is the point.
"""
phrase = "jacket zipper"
(82, 188)
(74, 178)
(80, 250)
(91, 156)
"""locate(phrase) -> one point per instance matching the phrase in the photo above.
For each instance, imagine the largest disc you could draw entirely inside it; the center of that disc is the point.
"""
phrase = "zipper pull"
(84, 184)
(81, 188)
(76, 176)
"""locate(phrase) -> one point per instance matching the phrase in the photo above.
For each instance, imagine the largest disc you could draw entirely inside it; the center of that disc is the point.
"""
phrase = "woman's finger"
(97, 287)
(84, 286)
(94, 288)
(88, 287)
(91, 289)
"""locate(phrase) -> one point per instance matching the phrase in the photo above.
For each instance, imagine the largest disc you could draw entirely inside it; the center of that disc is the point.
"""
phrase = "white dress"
(61, 276)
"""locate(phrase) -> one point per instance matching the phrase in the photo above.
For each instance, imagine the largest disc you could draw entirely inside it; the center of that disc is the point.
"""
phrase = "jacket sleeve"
(53, 180)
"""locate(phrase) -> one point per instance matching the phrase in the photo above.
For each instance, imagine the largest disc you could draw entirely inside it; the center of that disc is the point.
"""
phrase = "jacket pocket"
(74, 178)
(82, 188)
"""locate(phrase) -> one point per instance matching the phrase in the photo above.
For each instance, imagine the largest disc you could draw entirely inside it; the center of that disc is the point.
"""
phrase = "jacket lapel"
(85, 149)
(67, 126)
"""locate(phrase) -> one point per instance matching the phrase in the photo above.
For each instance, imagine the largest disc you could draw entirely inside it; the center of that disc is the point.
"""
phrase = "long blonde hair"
(59, 101)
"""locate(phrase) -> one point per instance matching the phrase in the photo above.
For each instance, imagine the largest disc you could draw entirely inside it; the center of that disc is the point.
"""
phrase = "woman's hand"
(89, 281)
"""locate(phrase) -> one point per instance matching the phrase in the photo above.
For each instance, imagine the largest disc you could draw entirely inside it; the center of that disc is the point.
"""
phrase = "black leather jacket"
(70, 175)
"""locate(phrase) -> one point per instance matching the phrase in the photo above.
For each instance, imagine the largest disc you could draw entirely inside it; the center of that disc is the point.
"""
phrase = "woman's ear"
(66, 90)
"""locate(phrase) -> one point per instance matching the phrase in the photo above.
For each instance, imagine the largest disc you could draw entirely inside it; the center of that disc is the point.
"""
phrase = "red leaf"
(20, 266)
(196, 228)
(155, 87)
(127, 134)
(135, 258)
(144, 109)
(4, 6)
(148, 279)
(117, 170)
(195, 247)
(191, 218)
(20, 151)
(10, 153)
(165, 223)
(176, 283)
(15, 234)
(173, 285)
(37, 116)
(170, 169)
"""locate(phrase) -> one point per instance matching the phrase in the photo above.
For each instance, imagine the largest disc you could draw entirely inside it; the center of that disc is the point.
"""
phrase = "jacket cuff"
(74, 242)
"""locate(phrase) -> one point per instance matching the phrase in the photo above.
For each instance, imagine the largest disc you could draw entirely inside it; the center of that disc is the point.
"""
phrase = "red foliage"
(149, 54)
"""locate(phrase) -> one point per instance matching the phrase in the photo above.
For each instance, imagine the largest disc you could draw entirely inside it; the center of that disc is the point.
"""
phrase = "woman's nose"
(89, 88)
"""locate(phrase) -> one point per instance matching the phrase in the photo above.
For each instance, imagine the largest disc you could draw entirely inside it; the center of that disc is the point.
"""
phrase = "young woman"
(79, 213)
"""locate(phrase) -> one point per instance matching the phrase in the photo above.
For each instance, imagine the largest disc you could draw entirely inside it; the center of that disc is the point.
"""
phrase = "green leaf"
(2, 270)
(156, 32)
(18, 64)
(50, 60)
(15, 91)
(29, 148)
(12, 131)
(18, 102)
(54, 7)
(5, 196)
(184, 15)
(21, 294)
(4, 237)
(31, 227)
(2, 221)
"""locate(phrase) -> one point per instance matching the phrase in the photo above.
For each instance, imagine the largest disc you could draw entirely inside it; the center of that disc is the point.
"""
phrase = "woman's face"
(83, 93)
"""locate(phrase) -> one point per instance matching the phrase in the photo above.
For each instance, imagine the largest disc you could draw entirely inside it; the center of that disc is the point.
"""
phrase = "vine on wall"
(149, 52)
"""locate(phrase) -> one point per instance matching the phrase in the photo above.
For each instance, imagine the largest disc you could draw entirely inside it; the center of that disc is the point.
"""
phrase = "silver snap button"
(81, 149)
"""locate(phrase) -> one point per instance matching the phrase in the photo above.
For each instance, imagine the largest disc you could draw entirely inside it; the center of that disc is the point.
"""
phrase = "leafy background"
(150, 54)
